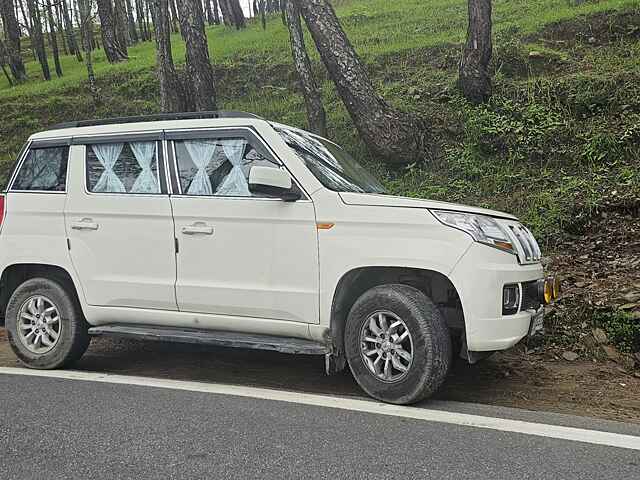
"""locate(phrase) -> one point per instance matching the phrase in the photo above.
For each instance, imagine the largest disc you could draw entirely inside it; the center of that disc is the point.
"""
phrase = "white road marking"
(358, 405)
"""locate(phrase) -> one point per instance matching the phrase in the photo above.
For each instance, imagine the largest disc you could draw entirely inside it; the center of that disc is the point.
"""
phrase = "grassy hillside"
(558, 141)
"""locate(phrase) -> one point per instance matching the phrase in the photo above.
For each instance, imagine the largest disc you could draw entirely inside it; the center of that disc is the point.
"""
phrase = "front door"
(119, 223)
(240, 254)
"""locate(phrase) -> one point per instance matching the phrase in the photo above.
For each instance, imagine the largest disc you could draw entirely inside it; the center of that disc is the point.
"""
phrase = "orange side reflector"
(324, 226)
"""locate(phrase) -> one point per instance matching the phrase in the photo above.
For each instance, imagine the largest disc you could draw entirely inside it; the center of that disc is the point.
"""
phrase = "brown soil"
(513, 378)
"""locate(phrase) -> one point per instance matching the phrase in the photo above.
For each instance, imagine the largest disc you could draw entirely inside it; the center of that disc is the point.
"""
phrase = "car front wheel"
(397, 344)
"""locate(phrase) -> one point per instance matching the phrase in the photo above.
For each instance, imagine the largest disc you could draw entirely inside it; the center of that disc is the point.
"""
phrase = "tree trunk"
(393, 135)
(122, 29)
(313, 101)
(238, 14)
(12, 47)
(475, 79)
(37, 39)
(70, 32)
(216, 12)
(171, 92)
(86, 35)
(225, 9)
(141, 22)
(208, 11)
(263, 14)
(3, 62)
(198, 66)
(110, 44)
(60, 27)
(133, 33)
(53, 41)
(174, 16)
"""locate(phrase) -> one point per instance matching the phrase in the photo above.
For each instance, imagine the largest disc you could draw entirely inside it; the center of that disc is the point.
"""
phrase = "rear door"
(240, 254)
(119, 223)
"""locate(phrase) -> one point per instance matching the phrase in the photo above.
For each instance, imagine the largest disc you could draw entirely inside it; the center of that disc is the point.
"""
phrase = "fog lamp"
(510, 299)
(548, 290)
(557, 289)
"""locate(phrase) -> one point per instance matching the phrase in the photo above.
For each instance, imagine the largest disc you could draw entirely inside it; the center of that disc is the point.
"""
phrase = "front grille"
(526, 245)
(530, 300)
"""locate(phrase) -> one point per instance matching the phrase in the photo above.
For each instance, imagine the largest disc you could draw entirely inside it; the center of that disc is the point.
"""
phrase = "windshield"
(330, 164)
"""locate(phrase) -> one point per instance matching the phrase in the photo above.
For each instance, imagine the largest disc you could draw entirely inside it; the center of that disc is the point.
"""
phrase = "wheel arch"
(15, 274)
(436, 285)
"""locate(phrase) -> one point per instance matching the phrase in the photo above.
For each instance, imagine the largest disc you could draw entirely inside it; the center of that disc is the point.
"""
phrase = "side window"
(217, 166)
(43, 169)
(128, 167)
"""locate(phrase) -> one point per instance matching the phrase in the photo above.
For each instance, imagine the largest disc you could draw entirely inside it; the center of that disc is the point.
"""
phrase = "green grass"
(561, 133)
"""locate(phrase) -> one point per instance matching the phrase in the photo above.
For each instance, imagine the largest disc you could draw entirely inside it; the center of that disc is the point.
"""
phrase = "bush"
(623, 330)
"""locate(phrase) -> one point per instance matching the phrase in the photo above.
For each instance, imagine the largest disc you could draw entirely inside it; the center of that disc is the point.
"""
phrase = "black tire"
(74, 338)
(431, 343)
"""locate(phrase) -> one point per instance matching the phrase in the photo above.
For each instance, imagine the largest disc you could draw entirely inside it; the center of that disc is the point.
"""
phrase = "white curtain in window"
(107, 154)
(234, 184)
(201, 152)
(145, 153)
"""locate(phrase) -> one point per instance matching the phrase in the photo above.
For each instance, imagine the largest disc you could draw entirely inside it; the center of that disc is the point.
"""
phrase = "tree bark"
(37, 38)
(198, 65)
(316, 116)
(142, 25)
(120, 19)
(133, 32)
(238, 14)
(208, 11)
(225, 9)
(3, 62)
(216, 12)
(474, 76)
(171, 94)
(110, 44)
(70, 32)
(57, 8)
(86, 36)
(12, 47)
(393, 135)
(53, 41)
(174, 16)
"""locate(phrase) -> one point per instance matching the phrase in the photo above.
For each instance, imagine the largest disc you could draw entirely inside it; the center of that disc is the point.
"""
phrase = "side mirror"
(273, 182)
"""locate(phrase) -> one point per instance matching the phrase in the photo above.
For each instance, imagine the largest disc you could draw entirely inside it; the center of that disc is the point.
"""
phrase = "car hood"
(378, 200)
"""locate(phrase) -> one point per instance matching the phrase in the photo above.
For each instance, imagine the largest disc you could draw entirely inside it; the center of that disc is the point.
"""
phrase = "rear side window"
(43, 169)
(128, 167)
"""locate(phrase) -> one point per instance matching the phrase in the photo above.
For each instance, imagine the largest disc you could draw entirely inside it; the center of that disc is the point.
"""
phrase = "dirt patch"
(513, 379)
(599, 29)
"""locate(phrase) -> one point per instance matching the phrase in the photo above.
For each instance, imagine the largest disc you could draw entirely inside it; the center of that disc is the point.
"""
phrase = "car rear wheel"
(45, 324)
(397, 344)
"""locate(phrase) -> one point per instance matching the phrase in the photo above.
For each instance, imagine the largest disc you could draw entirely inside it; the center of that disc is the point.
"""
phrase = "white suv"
(226, 229)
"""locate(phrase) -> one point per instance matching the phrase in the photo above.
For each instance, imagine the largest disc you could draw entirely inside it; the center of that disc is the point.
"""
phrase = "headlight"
(482, 228)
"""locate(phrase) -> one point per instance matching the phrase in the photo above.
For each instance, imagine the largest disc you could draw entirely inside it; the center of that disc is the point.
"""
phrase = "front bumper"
(479, 278)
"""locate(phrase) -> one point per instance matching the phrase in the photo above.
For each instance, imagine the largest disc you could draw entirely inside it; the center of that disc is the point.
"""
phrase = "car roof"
(145, 123)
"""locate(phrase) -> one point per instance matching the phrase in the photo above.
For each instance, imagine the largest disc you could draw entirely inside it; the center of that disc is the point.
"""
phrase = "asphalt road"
(63, 428)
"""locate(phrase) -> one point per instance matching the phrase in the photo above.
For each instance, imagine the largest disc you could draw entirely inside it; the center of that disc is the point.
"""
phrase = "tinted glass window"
(43, 169)
(329, 163)
(130, 167)
(217, 166)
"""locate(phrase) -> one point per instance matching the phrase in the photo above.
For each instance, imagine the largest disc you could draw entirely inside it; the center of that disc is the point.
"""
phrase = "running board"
(213, 337)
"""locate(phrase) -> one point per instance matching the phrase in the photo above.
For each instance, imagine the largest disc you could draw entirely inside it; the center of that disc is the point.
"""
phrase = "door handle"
(198, 228)
(84, 224)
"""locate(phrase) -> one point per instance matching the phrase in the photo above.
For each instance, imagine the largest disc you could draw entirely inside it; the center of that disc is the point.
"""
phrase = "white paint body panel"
(129, 261)
(261, 259)
(264, 268)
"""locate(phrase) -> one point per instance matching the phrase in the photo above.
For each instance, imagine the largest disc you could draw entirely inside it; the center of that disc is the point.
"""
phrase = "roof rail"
(156, 117)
